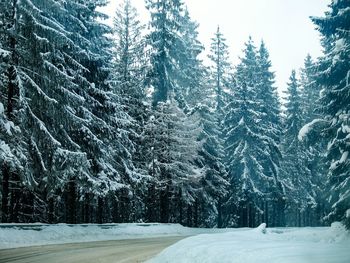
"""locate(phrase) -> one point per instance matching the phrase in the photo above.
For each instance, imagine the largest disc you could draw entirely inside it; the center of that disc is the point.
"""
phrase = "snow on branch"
(305, 130)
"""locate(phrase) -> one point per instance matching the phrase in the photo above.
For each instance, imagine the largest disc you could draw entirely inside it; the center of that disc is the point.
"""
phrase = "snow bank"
(12, 235)
(279, 245)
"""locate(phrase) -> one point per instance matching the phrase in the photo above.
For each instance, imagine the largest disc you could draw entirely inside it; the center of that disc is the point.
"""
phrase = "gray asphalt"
(131, 250)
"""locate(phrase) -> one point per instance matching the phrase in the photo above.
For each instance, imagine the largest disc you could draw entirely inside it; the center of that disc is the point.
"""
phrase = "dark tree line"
(113, 124)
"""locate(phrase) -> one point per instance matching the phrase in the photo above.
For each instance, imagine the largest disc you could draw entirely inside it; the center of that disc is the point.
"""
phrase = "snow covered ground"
(272, 245)
(22, 235)
(283, 245)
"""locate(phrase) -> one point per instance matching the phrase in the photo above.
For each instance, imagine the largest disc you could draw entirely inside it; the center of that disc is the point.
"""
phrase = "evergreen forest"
(128, 123)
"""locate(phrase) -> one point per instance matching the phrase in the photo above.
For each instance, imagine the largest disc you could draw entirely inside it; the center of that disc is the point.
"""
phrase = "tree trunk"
(248, 215)
(5, 193)
(266, 213)
(51, 212)
(189, 216)
(100, 210)
(15, 190)
(164, 205)
(71, 202)
(180, 207)
(195, 218)
(220, 223)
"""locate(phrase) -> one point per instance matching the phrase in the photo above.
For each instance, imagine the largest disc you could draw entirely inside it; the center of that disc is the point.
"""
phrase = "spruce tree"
(105, 138)
(214, 176)
(296, 175)
(218, 81)
(313, 147)
(333, 76)
(69, 114)
(172, 151)
(166, 42)
(246, 143)
(219, 57)
(128, 79)
(269, 108)
(192, 77)
(11, 151)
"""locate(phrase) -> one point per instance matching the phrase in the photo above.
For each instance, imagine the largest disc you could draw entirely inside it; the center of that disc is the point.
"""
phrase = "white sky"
(284, 25)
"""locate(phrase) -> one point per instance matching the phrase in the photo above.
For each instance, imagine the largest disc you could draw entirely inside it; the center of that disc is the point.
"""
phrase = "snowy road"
(132, 250)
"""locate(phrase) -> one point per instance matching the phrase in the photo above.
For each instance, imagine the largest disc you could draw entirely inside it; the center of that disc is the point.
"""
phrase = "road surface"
(132, 250)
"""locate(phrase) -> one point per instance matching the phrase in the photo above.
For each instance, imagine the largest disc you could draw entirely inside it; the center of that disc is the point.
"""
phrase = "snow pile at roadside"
(275, 245)
(38, 234)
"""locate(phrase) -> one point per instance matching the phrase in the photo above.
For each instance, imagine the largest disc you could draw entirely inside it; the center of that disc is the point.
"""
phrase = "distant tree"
(192, 74)
(218, 82)
(220, 69)
(295, 172)
(247, 141)
(313, 147)
(270, 110)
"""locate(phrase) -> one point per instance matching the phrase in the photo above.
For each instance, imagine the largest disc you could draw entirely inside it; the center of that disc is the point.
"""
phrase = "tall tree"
(218, 82)
(69, 113)
(333, 76)
(219, 57)
(269, 108)
(295, 173)
(246, 143)
(173, 148)
(128, 78)
(105, 137)
(129, 50)
(12, 168)
(210, 162)
(313, 147)
(166, 43)
(192, 77)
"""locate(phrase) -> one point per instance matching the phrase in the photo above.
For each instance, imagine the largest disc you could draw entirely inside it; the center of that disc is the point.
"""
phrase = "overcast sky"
(284, 25)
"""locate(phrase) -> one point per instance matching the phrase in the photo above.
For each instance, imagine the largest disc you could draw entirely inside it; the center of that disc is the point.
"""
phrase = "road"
(132, 250)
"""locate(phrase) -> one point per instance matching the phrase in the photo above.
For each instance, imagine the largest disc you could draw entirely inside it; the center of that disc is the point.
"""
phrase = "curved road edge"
(121, 251)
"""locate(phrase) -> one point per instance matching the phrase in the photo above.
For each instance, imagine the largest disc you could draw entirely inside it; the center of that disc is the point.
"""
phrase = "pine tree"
(269, 109)
(333, 77)
(165, 42)
(214, 177)
(296, 174)
(24, 21)
(129, 81)
(219, 56)
(192, 74)
(12, 167)
(129, 49)
(194, 97)
(310, 91)
(105, 139)
(246, 143)
(172, 151)
(76, 143)
(218, 81)
(310, 95)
